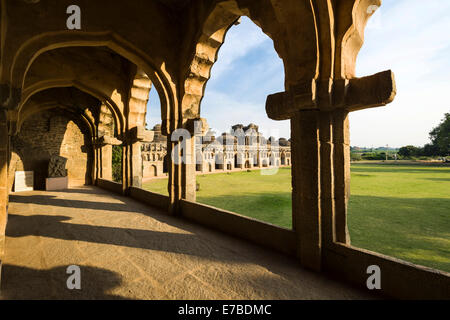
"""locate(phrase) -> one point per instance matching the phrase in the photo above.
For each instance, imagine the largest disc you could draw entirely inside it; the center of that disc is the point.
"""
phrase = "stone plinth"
(24, 181)
(52, 184)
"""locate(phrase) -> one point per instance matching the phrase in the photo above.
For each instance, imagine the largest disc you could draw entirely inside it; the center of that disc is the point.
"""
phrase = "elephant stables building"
(75, 79)
(242, 149)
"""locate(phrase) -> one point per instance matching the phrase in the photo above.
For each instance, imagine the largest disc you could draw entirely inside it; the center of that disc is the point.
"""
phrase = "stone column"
(181, 152)
(321, 178)
(174, 180)
(125, 167)
(106, 162)
(4, 142)
(306, 187)
(136, 164)
(188, 177)
(97, 164)
(182, 179)
(326, 182)
(341, 140)
(132, 157)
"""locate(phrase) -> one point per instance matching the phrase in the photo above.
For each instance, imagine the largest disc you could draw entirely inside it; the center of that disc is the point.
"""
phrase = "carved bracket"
(107, 140)
(136, 134)
(348, 94)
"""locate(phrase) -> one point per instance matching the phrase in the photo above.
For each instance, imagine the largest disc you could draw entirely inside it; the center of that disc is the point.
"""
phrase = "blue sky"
(410, 37)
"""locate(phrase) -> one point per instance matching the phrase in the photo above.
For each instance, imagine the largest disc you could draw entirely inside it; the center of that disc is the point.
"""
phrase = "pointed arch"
(295, 41)
(353, 17)
(37, 45)
(62, 83)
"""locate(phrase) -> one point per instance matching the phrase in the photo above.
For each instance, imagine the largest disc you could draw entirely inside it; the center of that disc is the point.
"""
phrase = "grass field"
(398, 210)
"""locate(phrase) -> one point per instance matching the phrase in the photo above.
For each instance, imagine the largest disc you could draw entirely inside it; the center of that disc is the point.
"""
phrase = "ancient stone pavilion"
(75, 79)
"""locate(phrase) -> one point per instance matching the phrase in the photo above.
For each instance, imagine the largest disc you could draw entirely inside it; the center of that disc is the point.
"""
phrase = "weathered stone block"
(52, 184)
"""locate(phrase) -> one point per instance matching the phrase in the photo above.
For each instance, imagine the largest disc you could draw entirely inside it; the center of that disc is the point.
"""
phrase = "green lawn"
(264, 197)
(398, 210)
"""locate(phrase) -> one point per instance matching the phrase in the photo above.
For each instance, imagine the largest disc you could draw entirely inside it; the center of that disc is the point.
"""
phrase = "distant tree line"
(439, 146)
(375, 155)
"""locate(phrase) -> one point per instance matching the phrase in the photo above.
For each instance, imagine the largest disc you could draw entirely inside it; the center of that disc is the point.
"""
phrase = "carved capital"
(135, 134)
(107, 140)
(328, 95)
(198, 126)
(371, 91)
(284, 105)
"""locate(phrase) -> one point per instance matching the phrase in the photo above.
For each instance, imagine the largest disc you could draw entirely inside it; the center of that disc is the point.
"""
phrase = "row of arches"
(219, 16)
(103, 60)
(37, 61)
(108, 68)
(117, 68)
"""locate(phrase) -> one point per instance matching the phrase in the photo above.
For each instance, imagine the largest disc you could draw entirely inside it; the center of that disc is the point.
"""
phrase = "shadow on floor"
(55, 227)
(87, 189)
(50, 200)
(199, 242)
(30, 284)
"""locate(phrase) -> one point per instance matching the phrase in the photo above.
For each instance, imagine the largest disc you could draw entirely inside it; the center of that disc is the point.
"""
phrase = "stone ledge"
(277, 238)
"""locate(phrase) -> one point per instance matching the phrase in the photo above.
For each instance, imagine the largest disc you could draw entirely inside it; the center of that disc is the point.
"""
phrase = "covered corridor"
(82, 94)
(128, 250)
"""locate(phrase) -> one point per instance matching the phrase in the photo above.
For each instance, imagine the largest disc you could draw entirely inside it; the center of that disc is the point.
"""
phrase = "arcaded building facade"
(243, 148)
(82, 83)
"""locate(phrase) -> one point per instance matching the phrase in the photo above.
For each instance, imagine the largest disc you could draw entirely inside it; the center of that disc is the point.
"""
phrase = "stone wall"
(45, 134)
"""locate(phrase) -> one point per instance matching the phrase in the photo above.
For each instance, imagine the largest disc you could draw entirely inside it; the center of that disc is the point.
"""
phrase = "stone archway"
(318, 42)
(47, 42)
(48, 132)
(301, 37)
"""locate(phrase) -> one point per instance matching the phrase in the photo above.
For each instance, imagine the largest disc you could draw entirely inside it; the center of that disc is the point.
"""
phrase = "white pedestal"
(53, 184)
(23, 181)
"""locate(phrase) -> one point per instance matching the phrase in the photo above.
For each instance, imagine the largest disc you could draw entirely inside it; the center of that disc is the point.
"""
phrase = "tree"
(355, 156)
(440, 136)
(409, 151)
(430, 150)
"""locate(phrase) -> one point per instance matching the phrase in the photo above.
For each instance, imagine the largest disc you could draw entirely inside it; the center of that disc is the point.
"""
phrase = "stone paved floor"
(128, 250)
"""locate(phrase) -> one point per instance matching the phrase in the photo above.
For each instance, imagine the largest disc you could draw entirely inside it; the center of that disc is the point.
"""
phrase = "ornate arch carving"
(62, 83)
(37, 45)
(294, 32)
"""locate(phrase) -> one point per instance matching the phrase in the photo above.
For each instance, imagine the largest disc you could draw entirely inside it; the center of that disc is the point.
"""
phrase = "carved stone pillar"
(106, 162)
(136, 164)
(341, 164)
(103, 156)
(4, 150)
(174, 181)
(182, 180)
(188, 179)
(321, 155)
(132, 155)
(181, 150)
(306, 187)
